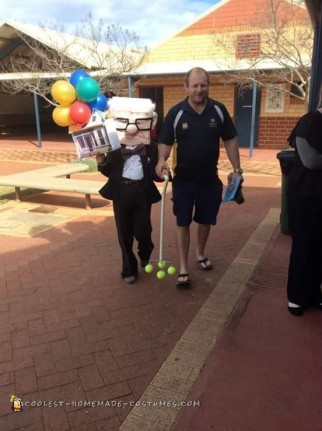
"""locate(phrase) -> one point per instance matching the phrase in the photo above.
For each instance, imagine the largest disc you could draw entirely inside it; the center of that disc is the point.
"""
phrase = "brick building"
(228, 40)
(235, 42)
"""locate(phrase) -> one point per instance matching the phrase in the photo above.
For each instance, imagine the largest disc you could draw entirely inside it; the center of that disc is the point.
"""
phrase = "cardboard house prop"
(98, 136)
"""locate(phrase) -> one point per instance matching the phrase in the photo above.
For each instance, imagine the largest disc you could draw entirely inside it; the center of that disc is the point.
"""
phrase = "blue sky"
(153, 22)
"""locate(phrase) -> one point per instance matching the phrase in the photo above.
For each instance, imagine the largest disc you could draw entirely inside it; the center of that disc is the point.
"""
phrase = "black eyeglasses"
(140, 123)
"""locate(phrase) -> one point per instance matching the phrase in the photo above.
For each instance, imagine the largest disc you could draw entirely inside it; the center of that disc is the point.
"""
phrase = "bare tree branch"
(106, 52)
(277, 48)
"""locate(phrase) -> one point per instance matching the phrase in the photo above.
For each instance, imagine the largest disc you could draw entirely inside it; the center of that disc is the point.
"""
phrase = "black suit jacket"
(113, 169)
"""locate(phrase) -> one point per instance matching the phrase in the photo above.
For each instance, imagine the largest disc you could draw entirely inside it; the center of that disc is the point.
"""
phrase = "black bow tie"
(137, 150)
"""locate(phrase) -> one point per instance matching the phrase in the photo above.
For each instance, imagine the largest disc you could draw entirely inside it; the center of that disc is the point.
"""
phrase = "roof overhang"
(212, 66)
(84, 52)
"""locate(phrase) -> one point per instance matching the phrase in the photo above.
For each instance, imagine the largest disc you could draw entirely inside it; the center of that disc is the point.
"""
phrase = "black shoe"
(296, 311)
(130, 279)
(144, 262)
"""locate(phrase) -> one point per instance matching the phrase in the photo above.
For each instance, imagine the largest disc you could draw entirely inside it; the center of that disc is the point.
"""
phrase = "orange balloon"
(61, 116)
(63, 92)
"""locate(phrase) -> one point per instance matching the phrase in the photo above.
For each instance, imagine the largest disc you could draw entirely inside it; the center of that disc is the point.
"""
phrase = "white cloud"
(152, 22)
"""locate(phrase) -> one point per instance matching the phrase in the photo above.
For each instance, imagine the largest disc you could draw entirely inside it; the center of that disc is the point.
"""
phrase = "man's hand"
(162, 169)
(232, 177)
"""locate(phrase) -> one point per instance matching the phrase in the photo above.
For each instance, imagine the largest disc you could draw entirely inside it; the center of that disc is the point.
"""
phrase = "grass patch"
(92, 165)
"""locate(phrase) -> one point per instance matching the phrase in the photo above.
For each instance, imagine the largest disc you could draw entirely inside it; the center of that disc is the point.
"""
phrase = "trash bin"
(286, 158)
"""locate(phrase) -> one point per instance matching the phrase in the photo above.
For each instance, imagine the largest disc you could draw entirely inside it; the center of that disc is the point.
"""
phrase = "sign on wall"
(275, 99)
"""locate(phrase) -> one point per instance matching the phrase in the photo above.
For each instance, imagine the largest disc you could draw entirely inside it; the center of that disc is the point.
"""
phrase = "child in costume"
(131, 173)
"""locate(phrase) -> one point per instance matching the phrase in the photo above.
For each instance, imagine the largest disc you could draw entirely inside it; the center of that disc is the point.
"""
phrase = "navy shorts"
(196, 200)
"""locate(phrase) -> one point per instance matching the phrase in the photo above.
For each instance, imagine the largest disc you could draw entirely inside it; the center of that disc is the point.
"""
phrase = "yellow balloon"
(63, 92)
(61, 116)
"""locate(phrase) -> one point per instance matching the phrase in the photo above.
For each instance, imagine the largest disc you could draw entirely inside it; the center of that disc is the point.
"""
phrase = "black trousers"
(304, 272)
(133, 222)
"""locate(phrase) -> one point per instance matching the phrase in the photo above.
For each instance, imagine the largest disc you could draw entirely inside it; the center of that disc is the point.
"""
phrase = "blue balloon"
(100, 103)
(77, 76)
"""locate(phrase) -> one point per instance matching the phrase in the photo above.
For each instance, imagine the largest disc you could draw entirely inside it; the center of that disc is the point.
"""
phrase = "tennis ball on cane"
(160, 274)
(161, 264)
(171, 270)
(148, 268)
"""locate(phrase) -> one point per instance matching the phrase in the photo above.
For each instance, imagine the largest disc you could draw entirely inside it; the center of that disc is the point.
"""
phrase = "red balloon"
(80, 112)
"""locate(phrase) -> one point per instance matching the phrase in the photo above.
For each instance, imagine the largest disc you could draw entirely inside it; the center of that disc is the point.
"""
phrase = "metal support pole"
(37, 120)
(130, 86)
(252, 125)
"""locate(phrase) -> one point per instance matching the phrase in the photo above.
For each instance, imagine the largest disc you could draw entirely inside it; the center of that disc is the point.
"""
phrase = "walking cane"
(165, 266)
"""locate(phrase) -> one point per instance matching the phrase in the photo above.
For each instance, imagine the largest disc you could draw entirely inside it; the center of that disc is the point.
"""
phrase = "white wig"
(131, 105)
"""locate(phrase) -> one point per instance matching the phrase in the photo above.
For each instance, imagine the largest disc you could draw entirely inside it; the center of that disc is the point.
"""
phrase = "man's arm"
(164, 153)
(232, 151)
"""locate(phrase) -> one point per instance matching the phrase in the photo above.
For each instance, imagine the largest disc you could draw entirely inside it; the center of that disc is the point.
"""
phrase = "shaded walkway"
(264, 373)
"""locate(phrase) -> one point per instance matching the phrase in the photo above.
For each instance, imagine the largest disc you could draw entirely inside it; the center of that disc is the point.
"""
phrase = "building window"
(248, 46)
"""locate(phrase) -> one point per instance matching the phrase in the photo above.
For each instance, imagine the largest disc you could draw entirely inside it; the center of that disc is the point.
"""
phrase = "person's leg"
(316, 254)
(143, 226)
(183, 243)
(298, 272)
(208, 200)
(125, 233)
(302, 283)
(183, 201)
(202, 238)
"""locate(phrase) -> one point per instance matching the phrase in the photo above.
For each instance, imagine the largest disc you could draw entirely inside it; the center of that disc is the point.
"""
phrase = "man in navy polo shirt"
(193, 128)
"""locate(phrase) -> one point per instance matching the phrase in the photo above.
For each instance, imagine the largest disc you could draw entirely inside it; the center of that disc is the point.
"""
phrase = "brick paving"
(72, 332)
(39, 155)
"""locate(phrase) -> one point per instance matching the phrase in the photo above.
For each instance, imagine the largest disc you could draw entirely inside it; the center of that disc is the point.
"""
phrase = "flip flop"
(186, 283)
(204, 264)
